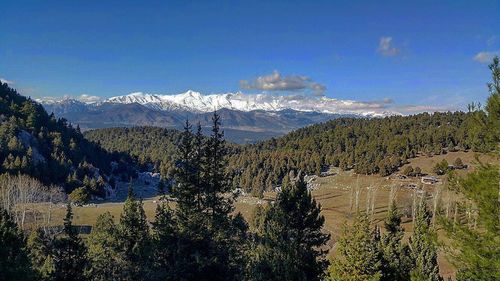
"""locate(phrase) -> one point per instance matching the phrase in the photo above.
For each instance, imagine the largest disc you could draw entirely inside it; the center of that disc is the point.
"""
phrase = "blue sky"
(430, 53)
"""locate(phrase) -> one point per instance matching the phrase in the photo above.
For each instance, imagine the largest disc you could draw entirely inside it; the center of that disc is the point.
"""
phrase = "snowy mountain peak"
(197, 102)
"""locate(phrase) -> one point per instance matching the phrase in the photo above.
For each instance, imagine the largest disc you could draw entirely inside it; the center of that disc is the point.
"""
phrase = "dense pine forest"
(149, 145)
(196, 233)
(368, 146)
(49, 149)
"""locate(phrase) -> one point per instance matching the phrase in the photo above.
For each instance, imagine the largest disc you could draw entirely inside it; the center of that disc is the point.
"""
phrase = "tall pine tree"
(288, 240)
(39, 246)
(69, 252)
(209, 238)
(164, 241)
(14, 261)
(357, 256)
(103, 250)
(134, 238)
(423, 246)
(396, 263)
(475, 241)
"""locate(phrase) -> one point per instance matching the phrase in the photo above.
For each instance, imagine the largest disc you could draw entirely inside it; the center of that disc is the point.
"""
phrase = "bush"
(408, 171)
(441, 168)
(417, 172)
(79, 196)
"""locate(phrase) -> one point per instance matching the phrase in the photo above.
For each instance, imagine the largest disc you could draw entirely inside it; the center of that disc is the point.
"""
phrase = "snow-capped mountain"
(197, 102)
(245, 117)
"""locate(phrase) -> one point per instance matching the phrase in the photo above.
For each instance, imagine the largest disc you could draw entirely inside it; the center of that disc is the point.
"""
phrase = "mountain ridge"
(257, 118)
(197, 102)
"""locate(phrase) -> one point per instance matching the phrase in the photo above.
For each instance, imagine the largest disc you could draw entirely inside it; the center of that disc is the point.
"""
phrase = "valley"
(249, 140)
(337, 193)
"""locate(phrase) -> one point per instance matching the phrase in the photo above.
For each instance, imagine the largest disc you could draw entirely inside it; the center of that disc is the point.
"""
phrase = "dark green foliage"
(458, 162)
(106, 261)
(493, 104)
(35, 143)
(395, 256)
(39, 246)
(79, 195)
(475, 238)
(408, 171)
(357, 258)
(475, 241)
(164, 240)
(69, 253)
(423, 246)
(441, 167)
(147, 144)
(194, 243)
(378, 145)
(14, 261)
(288, 240)
(210, 238)
(133, 233)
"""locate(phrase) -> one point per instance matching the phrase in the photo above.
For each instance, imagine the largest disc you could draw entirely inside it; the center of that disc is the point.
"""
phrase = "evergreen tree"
(357, 255)
(193, 245)
(493, 104)
(40, 254)
(134, 238)
(69, 253)
(475, 242)
(215, 178)
(226, 231)
(103, 250)
(164, 241)
(423, 246)
(186, 175)
(210, 238)
(396, 263)
(475, 251)
(288, 238)
(14, 261)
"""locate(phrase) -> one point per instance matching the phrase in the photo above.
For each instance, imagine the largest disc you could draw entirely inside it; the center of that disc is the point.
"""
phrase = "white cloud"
(276, 82)
(88, 98)
(486, 57)
(386, 47)
(5, 81)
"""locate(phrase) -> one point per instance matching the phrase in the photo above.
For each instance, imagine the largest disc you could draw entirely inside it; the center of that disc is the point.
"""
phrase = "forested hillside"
(150, 145)
(35, 143)
(369, 146)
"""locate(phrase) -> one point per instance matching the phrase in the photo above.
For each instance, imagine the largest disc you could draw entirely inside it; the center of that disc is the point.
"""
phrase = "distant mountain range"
(245, 117)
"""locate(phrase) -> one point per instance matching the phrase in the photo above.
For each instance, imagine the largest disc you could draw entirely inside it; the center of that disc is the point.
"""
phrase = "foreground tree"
(208, 239)
(133, 233)
(288, 238)
(69, 253)
(164, 242)
(475, 238)
(103, 250)
(493, 104)
(423, 246)
(39, 246)
(14, 261)
(357, 255)
(396, 262)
